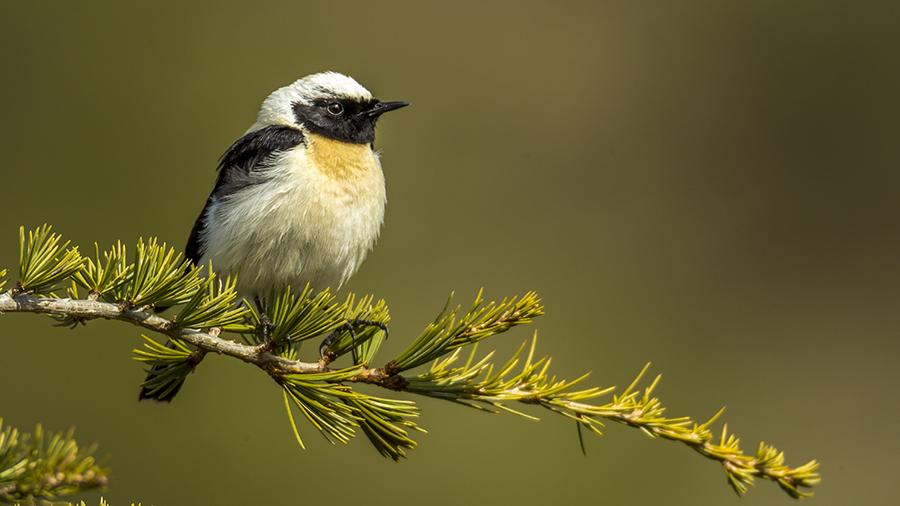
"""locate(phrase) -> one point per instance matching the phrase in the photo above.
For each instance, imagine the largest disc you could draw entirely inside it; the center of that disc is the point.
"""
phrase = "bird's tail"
(163, 381)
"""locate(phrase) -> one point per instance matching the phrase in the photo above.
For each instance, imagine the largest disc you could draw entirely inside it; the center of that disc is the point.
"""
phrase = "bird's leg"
(267, 326)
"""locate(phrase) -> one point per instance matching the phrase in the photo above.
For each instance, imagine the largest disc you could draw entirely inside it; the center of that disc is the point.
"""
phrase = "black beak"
(383, 107)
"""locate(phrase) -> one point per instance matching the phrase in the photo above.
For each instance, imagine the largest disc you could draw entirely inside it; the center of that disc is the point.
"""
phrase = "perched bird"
(299, 198)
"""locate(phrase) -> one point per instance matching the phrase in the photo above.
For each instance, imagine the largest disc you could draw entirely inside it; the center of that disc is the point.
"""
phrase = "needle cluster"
(45, 465)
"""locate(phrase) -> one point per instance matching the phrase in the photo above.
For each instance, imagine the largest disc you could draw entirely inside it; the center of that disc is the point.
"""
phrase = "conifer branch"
(129, 291)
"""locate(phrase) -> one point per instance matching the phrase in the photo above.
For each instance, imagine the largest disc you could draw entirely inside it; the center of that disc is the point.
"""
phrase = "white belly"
(303, 225)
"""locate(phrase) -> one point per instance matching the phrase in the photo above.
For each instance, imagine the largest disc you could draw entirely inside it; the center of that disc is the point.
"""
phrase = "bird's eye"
(335, 108)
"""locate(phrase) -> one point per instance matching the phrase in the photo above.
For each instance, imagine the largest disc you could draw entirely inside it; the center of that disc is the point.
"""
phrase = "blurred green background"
(710, 186)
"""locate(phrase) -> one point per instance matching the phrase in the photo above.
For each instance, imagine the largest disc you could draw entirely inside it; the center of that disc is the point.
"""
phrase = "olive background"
(708, 186)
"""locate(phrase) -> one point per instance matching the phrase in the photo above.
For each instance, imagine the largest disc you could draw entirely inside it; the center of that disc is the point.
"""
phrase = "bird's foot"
(327, 355)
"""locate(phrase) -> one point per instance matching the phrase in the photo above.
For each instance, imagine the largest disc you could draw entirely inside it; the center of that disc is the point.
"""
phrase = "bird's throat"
(340, 160)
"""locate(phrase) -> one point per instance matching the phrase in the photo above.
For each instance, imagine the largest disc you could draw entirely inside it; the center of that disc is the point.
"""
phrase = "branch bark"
(256, 355)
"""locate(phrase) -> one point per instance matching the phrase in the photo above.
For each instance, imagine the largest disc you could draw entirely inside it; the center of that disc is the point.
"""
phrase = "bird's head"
(328, 104)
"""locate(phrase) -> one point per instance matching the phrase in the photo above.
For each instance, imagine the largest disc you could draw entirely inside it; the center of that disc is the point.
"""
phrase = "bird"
(299, 199)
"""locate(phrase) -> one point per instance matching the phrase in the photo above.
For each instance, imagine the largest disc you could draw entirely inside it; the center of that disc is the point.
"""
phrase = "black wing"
(236, 172)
